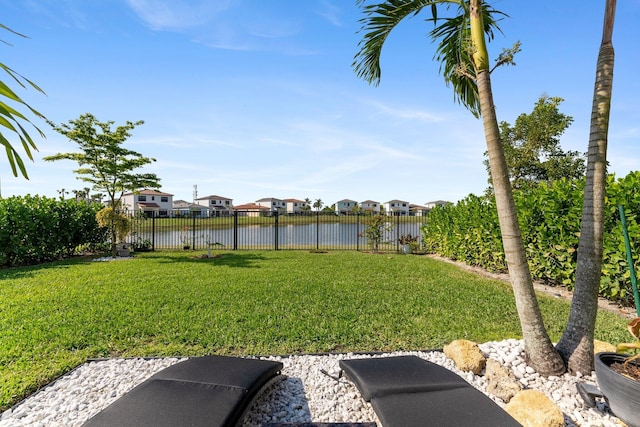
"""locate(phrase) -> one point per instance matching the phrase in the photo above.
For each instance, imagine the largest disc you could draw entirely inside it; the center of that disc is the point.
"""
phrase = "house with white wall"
(345, 206)
(251, 210)
(396, 207)
(274, 205)
(435, 203)
(417, 210)
(184, 208)
(216, 205)
(296, 206)
(370, 206)
(149, 202)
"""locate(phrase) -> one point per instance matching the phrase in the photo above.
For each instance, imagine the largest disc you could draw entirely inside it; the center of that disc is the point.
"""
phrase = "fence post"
(398, 232)
(358, 231)
(235, 230)
(193, 230)
(318, 229)
(153, 231)
(275, 231)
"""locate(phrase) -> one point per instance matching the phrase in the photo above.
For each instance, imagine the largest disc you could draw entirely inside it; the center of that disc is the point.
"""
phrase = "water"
(289, 236)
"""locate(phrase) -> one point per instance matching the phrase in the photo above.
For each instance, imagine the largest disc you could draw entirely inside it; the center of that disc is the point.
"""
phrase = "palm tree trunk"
(539, 350)
(576, 344)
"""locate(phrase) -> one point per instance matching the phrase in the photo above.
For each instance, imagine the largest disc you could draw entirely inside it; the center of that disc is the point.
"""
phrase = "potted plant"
(119, 226)
(141, 245)
(618, 376)
(407, 242)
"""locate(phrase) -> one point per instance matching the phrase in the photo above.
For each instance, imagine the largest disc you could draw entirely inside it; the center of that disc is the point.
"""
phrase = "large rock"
(466, 355)
(501, 382)
(532, 408)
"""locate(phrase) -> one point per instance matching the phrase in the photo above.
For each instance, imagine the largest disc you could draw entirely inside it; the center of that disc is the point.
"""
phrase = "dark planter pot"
(405, 248)
(622, 393)
(123, 250)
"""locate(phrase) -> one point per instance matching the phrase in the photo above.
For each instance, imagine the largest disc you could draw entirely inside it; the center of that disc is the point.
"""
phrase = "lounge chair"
(201, 391)
(408, 391)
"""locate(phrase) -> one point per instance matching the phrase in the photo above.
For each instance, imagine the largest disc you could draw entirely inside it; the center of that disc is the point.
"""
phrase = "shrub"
(549, 217)
(36, 229)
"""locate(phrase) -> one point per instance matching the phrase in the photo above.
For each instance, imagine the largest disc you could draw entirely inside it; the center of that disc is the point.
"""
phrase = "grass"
(55, 316)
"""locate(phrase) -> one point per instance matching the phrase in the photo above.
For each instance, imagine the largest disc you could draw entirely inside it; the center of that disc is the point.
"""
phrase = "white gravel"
(311, 391)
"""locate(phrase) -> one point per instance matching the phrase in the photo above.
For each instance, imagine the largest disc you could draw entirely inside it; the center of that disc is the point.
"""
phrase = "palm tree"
(464, 58)
(576, 344)
(307, 204)
(318, 204)
(11, 118)
(62, 192)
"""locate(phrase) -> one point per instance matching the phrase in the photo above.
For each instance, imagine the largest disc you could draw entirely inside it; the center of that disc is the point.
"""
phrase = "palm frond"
(380, 20)
(455, 53)
(10, 118)
(454, 50)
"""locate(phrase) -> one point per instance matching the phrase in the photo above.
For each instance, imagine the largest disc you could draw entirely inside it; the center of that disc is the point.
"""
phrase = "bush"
(36, 229)
(549, 217)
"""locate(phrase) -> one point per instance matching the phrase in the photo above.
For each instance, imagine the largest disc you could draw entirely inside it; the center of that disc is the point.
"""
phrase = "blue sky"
(249, 98)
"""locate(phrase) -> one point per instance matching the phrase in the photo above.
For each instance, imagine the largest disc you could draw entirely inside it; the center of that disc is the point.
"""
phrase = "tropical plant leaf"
(10, 116)
(452, 33)
(634, 327)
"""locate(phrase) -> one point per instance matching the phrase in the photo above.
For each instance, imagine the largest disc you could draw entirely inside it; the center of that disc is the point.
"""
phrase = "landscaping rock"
(466, 355)
(501, 382)
(532, 408)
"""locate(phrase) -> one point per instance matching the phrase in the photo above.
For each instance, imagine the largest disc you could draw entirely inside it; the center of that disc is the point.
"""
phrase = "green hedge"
(36, 229)
(549, 217)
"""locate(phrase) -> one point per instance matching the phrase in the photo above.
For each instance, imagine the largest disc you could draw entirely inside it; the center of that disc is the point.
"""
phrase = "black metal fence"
(257, 230)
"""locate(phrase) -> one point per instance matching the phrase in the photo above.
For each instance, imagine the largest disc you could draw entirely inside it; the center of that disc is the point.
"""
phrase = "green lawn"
(55, 316)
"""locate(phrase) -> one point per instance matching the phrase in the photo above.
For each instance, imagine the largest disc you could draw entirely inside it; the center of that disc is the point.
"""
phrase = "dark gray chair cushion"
(248, 374)
(203, 391)
(452, 407)
(407, 391)
(380, 376)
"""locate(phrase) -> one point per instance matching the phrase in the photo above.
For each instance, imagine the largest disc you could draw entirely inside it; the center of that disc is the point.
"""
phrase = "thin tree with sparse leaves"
(103, 162)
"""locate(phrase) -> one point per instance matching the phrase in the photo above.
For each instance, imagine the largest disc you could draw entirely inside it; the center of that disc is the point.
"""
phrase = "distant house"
(370, 206)
(184, 208)
(345, 206)
(216, 205)
(251, 209)
(295, 206)
(274, 205)
(396, 207)
(149, 202)
(417, 210)
(433, 204)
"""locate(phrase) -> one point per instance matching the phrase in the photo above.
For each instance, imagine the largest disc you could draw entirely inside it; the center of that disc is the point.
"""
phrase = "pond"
(289, 236)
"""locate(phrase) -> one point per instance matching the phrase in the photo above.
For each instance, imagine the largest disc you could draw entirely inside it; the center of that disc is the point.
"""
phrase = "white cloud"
(174, 15)
(331, 13)
(185, 141)
(405, 113)
(222, 24)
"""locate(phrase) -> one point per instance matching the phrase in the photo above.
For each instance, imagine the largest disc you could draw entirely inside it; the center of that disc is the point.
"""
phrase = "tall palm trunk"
(576, 344)
(538, 347)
